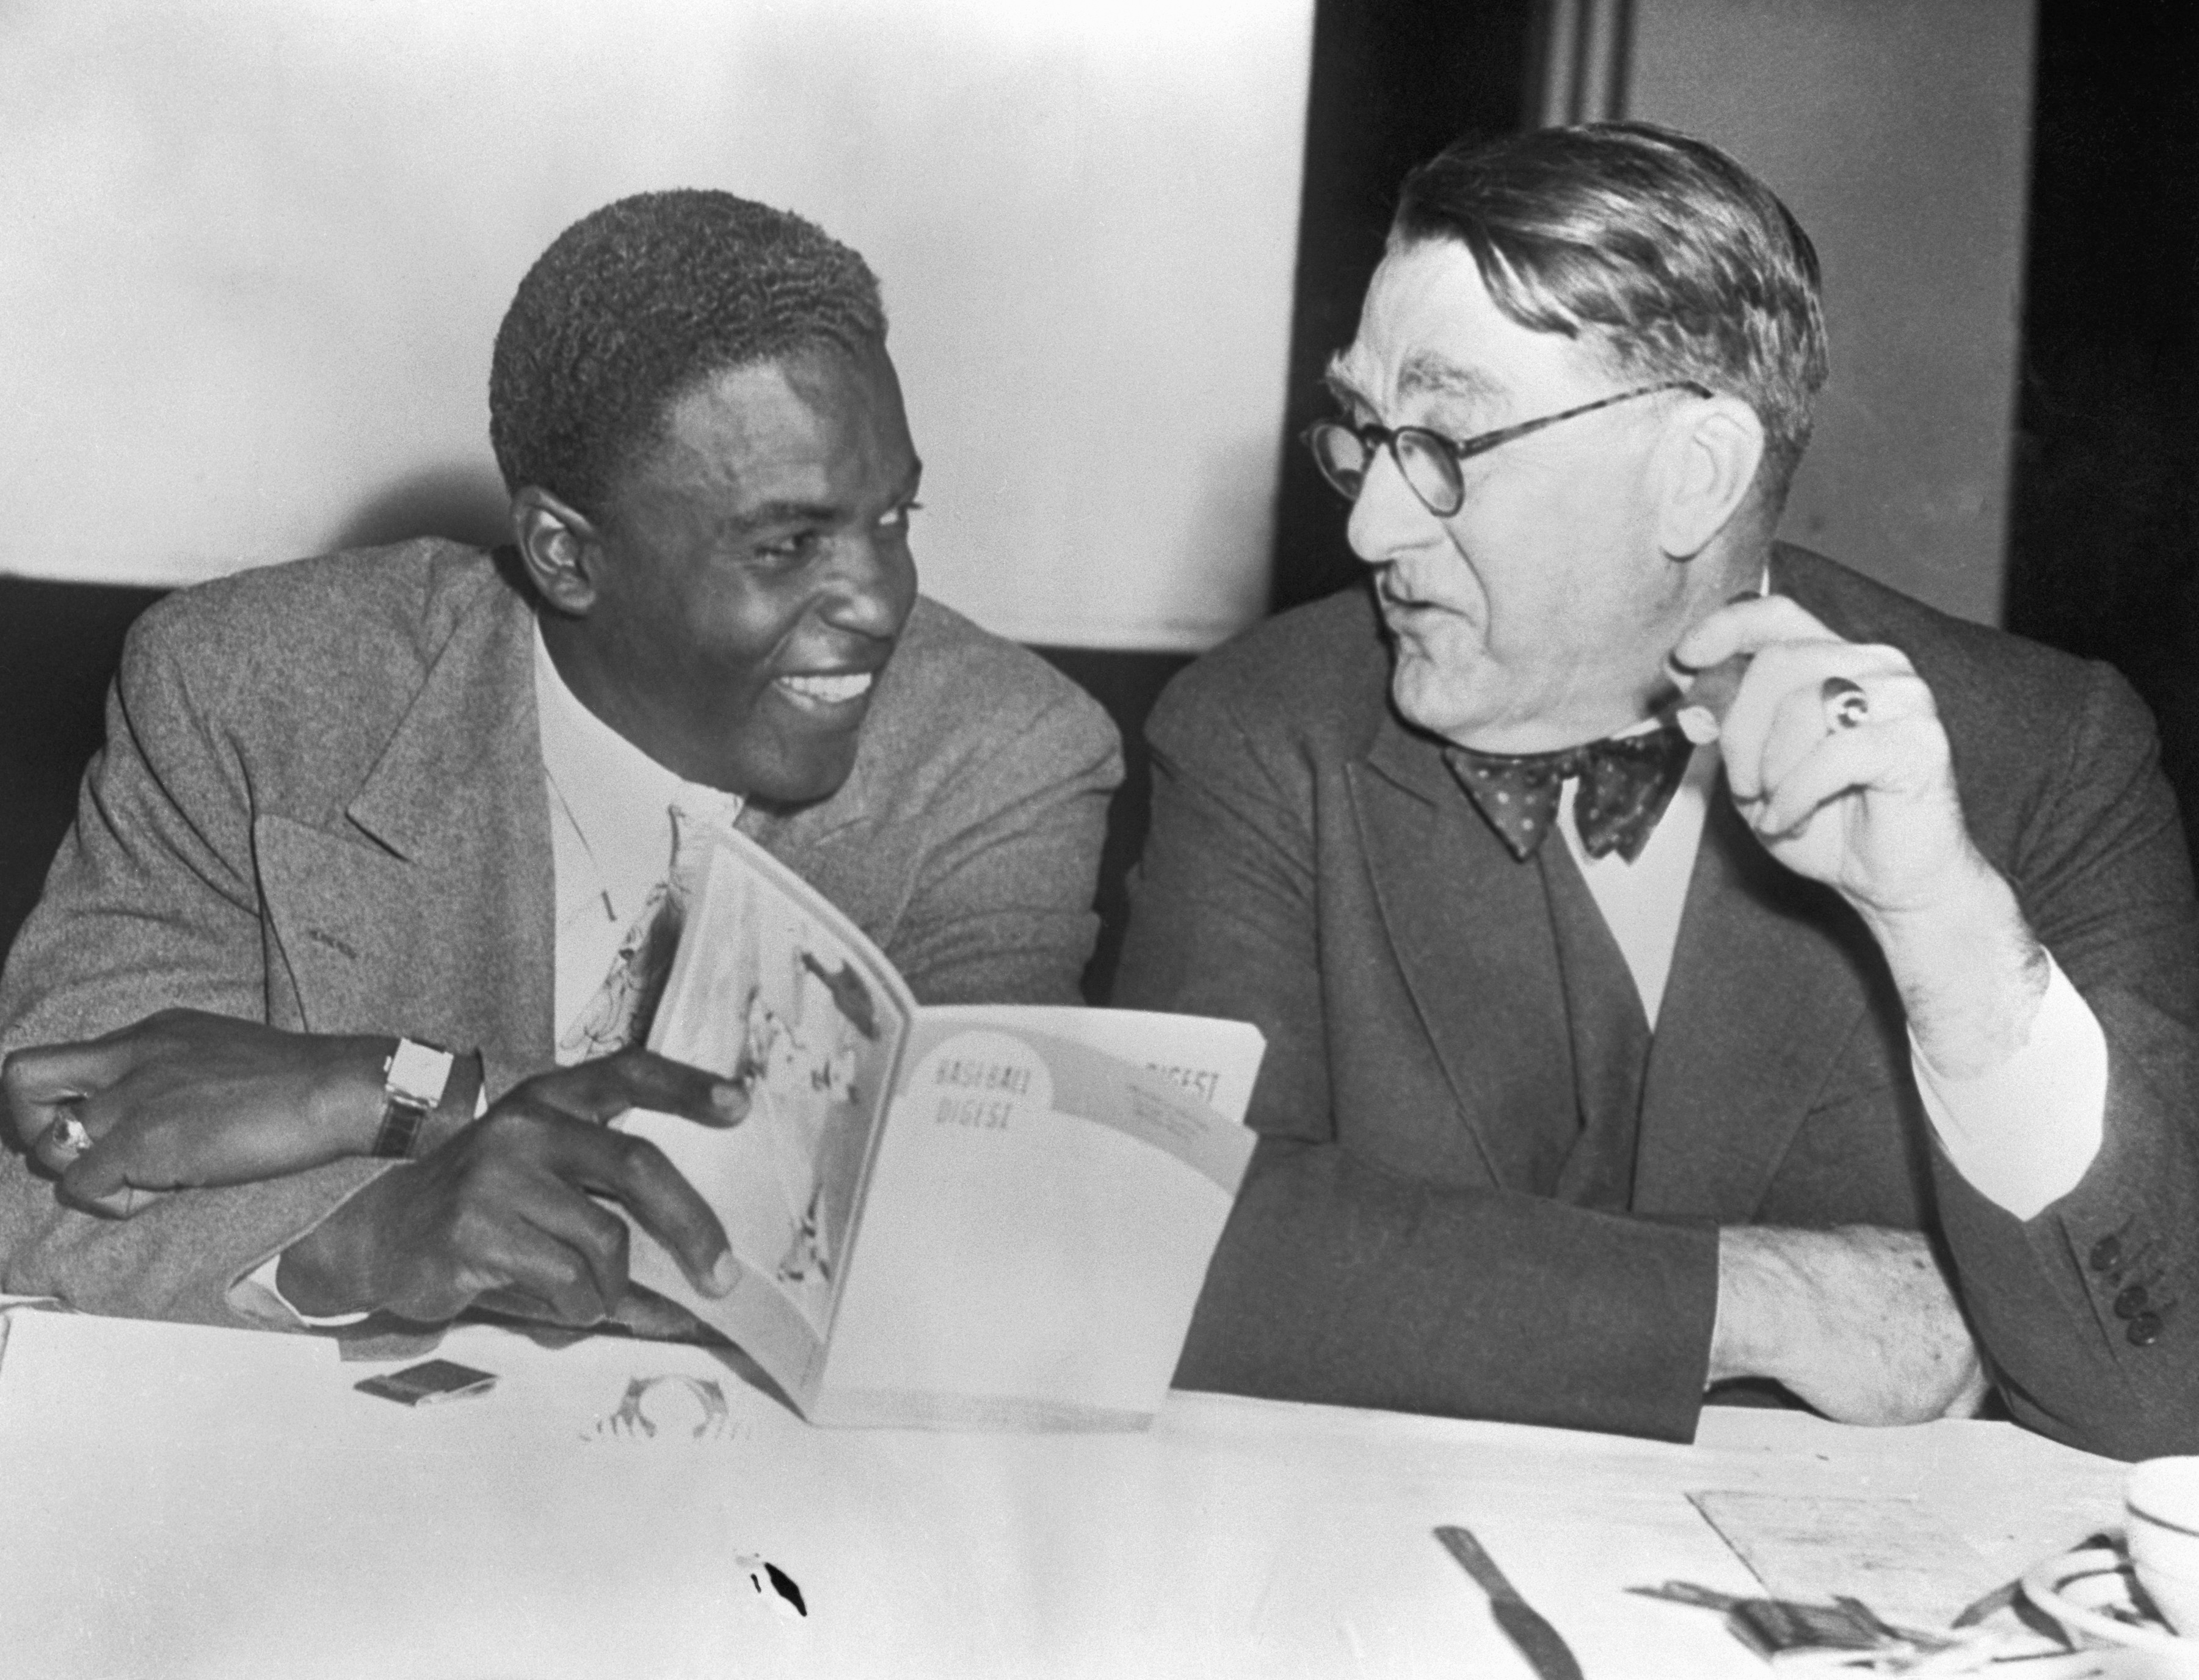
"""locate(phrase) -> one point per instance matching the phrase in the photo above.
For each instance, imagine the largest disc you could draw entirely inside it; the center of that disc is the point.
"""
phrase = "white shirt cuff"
(256, 1296)
(2024, 1134)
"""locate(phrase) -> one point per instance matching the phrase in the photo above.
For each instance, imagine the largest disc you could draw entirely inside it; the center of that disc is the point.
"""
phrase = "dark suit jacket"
(1314, 868)
(321, 805)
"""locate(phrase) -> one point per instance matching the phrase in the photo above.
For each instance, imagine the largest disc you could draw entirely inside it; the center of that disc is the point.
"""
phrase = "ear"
(559, 547)
(1705, 466)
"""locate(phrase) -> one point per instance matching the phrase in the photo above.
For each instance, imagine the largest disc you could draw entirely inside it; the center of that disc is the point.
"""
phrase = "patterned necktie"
(1626, 781)
(624, 1007)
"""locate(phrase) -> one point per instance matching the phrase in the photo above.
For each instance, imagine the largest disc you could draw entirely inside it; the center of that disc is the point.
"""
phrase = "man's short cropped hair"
(1680, 263)
(638, 302)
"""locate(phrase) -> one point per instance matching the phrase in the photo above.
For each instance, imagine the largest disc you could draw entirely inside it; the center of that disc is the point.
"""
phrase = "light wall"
(256, 251)
(1898, 131)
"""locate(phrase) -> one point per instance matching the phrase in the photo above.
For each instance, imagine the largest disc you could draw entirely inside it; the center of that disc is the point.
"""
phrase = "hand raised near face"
(1835, 755)
(508, 1207)
(184, 1097)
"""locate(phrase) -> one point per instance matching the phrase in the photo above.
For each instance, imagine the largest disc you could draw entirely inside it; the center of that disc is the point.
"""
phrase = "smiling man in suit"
(1839, 1038)
(356, 804)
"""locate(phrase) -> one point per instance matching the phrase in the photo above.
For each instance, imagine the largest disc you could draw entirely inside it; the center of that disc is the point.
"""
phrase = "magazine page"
(773, 987)
(1036, 1229)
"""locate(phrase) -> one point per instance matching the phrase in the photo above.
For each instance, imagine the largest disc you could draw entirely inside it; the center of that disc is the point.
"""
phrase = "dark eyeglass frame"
(1446, 453)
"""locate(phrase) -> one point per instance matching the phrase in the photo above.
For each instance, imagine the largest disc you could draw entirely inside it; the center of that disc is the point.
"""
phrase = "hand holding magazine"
(963, 1217)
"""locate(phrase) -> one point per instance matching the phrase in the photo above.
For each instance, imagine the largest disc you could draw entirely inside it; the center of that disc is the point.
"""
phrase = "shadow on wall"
(465, 503)
(1236, 512)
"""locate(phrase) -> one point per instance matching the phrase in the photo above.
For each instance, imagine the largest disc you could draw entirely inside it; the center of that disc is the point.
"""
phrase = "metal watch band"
(412, 1081)
(400, 1128)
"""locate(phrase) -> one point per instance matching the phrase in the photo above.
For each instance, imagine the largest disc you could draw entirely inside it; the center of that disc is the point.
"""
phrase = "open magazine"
(975, 1216)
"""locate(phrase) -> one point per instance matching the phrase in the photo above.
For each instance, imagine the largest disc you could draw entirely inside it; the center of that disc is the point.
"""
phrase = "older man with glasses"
(1839, 1047)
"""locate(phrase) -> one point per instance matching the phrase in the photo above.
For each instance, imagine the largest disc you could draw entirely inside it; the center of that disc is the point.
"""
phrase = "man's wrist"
(1971, 974)
(1967, 897)
(460, 1106)
(348, 1094)
(1751, 1284)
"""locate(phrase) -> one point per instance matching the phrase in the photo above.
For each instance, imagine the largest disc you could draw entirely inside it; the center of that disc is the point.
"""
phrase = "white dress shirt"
(611, 833)
(2023, 1133)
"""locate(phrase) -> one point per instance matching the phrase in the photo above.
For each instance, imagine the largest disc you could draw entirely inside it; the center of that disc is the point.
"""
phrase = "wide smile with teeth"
(832, 689)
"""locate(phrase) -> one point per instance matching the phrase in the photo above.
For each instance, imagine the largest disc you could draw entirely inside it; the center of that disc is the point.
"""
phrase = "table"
(180, 1500)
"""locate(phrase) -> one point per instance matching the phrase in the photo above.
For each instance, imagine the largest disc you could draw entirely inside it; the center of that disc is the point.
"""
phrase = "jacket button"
(2132, 1302)
(2143, 1331)
(2107, 1254)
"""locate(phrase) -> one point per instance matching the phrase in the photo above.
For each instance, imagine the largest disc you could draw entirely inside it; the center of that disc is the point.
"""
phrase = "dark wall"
(1393, 83)
(1127, 685)
(58, 643)
(2104, 509)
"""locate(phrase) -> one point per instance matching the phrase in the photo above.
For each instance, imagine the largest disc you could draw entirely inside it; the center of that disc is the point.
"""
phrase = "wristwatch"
(412, 1081)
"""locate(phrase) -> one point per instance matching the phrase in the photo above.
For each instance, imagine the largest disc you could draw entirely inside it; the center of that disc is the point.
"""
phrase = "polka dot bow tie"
(1626, 781)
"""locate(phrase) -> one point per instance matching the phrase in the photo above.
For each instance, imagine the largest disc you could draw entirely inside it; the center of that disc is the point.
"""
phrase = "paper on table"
(1899, 1558)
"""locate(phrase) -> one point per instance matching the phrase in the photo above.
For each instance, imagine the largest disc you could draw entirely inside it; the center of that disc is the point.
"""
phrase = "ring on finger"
(1847, 706)
(62, 1142)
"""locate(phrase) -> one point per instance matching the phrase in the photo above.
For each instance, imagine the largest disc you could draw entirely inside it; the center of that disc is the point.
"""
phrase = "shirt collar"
(619, 798)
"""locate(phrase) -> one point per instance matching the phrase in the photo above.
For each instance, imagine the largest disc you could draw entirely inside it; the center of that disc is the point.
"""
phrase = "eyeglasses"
(1428, 460)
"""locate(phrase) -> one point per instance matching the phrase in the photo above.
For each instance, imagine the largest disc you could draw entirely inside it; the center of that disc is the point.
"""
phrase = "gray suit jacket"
(321, 805)
(1314, 868)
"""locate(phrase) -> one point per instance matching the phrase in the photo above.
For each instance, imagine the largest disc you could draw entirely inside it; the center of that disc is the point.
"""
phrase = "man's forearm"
(1971, 973)
(349, 1102)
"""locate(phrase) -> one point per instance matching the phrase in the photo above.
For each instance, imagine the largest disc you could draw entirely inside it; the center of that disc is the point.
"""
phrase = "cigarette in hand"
(1708, 696)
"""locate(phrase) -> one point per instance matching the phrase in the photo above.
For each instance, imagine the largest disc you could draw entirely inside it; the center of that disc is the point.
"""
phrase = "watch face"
(417, 1072)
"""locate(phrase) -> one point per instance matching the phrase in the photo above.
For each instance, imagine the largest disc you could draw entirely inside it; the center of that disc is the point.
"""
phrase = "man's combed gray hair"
(1673, 258)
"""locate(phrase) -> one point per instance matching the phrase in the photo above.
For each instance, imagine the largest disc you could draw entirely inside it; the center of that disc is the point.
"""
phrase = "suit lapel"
(1767, 988)
(432, 911)
(1469, 927)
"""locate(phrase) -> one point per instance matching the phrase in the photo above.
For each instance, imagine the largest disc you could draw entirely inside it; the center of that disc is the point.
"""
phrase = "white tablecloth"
(185, 1502)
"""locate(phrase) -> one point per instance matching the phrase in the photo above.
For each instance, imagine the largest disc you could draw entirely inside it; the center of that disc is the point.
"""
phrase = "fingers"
(652, 1317)
(605, 1088)
(122, 1153)
(118, 1202)
(636, 1172)
(1885, 755)
(1747, 626)
(94, 1175)
(115, 1152)
(579, 1267)
(487, 1221)
(1709, 695)
(527, 1272)
(46, 1081)
(1779, 713)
